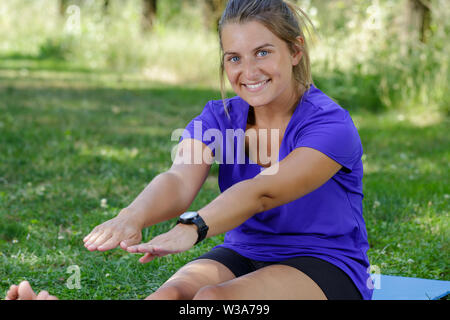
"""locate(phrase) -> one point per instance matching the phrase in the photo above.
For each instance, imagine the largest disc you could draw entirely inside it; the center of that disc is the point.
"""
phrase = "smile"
(257, 86)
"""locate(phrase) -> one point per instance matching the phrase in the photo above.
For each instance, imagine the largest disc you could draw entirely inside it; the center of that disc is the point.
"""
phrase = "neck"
(270, 115)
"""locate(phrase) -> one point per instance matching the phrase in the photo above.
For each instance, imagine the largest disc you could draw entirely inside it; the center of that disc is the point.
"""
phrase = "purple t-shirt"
(326, 223)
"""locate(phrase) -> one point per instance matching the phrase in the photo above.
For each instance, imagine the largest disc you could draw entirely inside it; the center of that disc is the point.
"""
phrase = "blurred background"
(91, 91)
(375, 55)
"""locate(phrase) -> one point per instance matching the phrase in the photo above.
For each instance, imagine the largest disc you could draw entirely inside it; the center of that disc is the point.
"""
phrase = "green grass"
(70, 137)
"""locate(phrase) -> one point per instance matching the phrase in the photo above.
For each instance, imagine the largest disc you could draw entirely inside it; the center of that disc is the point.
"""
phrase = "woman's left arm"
(301, 172)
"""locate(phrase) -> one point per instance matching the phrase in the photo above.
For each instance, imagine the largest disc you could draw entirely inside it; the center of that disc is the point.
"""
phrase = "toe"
(25, 292)
(12, 293)
(43, 295)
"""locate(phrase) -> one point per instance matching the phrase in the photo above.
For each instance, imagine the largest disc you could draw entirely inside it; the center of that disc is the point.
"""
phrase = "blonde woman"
(294, 224)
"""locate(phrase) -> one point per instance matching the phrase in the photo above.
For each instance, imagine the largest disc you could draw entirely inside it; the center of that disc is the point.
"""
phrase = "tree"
(63, 4)
(212, 12)
(419, 19)
(148, 14)
(105, 6)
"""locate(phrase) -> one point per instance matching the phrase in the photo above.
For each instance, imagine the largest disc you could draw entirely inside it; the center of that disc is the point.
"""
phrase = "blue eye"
(234, 59)
(263, 53)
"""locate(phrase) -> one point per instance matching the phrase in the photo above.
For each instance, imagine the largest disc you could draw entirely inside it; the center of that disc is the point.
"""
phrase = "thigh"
(216, 266)
(273, 282)
(186, 282)
(238, 264)
(333, 281)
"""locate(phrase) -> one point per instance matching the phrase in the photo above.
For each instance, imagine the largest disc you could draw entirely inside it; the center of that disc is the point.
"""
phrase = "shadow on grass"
(20, 62)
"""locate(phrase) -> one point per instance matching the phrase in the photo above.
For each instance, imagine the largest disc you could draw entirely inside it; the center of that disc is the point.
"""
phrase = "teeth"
(254, 86)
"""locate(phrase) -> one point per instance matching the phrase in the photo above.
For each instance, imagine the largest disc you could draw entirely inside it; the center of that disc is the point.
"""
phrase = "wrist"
(194, 219)
(132, 216)
(187, 229)
(191, 228)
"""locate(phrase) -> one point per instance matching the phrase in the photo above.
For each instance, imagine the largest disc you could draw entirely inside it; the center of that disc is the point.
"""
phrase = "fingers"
(108, 245)
(146, 248)
(127, 243)
(93, 234)
(109, 235)
(147, 258)
(150, 249)
(90, 239)
(100, 240)
(141, 248)
(114, 241)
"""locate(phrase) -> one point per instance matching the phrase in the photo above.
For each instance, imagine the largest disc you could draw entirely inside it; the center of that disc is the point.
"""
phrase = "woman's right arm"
(167, 196)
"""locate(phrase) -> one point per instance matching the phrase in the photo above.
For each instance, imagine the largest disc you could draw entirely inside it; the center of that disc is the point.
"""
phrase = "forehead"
(247, 36)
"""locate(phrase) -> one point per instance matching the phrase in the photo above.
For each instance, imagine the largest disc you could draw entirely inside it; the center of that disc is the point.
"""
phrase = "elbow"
(262, 199)
(270, 195)
(266, 203)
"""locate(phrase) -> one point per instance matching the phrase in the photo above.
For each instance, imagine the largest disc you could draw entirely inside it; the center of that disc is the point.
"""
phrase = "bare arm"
(168, 195)
(300, 173)
(164, 198)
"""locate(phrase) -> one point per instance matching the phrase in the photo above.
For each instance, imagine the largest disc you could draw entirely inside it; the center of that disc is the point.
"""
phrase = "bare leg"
(186, 282)
(272, 282)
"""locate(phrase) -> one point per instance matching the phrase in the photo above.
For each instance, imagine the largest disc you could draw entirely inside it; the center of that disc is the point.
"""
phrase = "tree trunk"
(419, 19)
(212, 12)
(148, 14)
(63, 4)
(105, 6)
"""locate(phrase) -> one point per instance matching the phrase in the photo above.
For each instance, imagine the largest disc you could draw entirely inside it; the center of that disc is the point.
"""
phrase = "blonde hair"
(284, 19)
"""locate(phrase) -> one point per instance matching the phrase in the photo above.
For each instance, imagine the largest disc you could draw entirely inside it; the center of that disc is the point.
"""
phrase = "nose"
(251, 70)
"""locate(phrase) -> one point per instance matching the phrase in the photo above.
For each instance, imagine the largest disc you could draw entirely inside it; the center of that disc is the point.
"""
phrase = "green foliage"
(56, 48)
(366, 56)
(362, 56)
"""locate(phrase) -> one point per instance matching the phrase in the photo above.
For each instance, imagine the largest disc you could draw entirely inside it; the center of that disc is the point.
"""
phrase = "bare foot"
(24, 292)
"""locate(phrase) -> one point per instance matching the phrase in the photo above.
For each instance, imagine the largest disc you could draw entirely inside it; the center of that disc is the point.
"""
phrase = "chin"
(255, 101)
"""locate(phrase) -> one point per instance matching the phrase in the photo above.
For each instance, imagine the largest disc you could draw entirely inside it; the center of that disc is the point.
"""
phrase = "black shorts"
(335, 283)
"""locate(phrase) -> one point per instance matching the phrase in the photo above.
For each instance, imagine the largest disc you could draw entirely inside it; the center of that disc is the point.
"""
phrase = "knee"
(210, 293)
(169, 293)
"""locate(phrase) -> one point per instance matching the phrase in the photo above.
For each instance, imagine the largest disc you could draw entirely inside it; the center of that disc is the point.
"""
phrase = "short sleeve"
(336, 137)
(203, 127)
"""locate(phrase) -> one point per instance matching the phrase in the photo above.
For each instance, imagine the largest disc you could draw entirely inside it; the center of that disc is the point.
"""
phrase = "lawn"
(70, 138)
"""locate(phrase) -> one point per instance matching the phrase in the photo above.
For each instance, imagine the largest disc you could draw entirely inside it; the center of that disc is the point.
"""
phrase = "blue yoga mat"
(403, 288)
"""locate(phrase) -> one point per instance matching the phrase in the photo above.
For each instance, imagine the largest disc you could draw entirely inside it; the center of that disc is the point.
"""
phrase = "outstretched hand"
(181, 238)
(121, 230)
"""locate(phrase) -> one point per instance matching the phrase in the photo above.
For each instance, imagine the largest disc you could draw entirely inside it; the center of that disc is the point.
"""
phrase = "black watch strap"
(191, 218)
(202, 228)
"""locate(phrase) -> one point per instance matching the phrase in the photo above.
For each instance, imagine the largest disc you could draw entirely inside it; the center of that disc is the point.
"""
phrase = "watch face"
(188, 215)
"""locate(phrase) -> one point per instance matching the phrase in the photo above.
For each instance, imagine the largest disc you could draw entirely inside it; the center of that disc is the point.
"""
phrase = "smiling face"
(258, 64)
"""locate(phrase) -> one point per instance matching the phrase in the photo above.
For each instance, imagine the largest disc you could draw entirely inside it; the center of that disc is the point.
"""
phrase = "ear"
(297, 51)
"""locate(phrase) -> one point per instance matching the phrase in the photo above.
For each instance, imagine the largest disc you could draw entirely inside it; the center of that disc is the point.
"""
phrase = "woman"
(293, 222)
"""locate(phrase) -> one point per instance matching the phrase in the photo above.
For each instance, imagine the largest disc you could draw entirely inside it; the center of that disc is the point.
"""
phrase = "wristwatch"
(192, 217)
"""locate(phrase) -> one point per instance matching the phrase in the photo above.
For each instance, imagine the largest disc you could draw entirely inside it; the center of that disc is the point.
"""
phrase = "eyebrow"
(256, 49)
